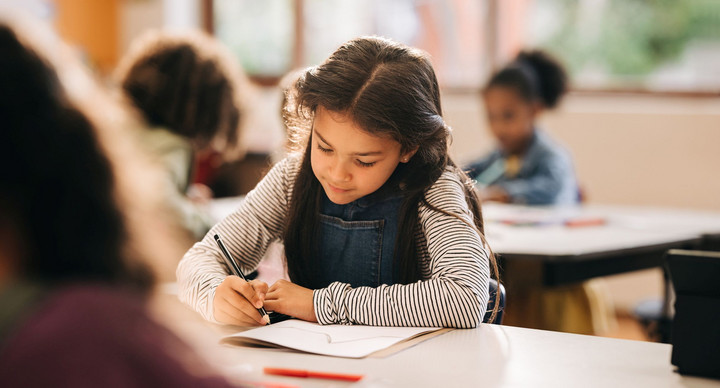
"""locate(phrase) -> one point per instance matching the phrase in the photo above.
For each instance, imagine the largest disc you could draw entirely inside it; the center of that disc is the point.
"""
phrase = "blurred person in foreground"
(81, 233)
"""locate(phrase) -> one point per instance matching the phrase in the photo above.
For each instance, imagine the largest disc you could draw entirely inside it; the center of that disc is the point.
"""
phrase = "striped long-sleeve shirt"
(454, 263)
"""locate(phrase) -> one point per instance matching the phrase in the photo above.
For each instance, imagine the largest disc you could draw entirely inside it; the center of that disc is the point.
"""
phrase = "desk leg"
(523, 281)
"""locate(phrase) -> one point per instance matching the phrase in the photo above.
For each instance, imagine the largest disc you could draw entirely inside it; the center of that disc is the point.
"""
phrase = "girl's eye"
(363, 164)
(325, 150)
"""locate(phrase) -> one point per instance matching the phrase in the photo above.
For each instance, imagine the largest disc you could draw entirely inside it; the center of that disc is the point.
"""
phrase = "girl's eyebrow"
(354, 153)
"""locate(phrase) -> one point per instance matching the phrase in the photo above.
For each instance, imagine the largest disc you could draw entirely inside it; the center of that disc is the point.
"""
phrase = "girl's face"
(511, 118)
(349, 162)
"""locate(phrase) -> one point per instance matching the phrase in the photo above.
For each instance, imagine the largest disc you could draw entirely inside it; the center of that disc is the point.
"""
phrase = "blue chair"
(494, 287)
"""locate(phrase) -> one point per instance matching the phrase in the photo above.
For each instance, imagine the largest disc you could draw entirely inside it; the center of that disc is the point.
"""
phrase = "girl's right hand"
(236, 302)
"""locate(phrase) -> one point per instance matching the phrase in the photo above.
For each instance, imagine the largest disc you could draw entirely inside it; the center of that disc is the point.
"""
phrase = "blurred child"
(76, 227)
(188, 89)
(528, 167)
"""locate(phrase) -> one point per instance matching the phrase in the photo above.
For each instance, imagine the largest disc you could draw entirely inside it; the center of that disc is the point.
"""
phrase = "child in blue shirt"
(528, 167)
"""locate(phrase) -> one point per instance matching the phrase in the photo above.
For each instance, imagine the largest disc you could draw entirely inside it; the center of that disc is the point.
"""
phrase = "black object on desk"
(695, 276)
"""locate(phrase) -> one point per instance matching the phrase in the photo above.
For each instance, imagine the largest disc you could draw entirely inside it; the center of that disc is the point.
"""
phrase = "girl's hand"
(236, 302)
(290, 299)
(199, 194)
(494, 194)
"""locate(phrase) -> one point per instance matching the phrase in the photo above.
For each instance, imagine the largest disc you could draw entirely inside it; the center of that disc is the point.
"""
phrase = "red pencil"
(308, 373)
(585, 222)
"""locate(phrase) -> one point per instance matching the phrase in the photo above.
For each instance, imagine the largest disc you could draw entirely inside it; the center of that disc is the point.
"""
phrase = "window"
(631, 45)
(272, 37)
(651, 45)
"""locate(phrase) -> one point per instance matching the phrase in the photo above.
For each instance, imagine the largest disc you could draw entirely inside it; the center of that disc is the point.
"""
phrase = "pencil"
(235, 268)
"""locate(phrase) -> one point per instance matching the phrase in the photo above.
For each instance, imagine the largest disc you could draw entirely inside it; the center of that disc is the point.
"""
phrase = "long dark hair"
(57, 188)
(536, 76)
(389, 90)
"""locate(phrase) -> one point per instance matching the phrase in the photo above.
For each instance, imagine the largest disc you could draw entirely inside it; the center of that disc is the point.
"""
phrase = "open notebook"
(353, 341)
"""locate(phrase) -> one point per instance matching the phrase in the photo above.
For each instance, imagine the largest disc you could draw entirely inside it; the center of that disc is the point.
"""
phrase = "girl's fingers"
(261, 288)
(237, 303)
(245, 289)
(272, 305)
(272, 294)
(236, 317)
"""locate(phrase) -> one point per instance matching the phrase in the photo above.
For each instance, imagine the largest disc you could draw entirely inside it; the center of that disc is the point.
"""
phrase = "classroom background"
(642, 119)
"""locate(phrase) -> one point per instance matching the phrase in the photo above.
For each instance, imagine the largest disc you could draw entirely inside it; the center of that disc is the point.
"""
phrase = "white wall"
(634, 150)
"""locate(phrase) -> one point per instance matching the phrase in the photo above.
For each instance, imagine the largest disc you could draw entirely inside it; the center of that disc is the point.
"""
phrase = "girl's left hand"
(290, 299)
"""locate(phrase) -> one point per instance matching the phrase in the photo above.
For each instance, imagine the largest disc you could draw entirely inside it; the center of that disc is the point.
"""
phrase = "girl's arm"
(247, 232)
(455, 293)
(553, 177)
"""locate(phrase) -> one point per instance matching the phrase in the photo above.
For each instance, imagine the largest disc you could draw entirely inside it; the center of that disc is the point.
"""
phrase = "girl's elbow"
(472, 316)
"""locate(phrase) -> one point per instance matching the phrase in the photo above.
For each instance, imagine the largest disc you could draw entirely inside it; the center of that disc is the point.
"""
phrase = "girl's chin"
(339, 198)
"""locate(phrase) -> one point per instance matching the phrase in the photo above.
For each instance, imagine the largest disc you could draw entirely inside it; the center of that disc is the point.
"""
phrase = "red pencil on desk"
(585, 222)
(309, 373)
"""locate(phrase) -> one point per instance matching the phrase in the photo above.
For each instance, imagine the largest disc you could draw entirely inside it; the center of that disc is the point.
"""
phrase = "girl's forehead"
(503, 94)
(340, 130)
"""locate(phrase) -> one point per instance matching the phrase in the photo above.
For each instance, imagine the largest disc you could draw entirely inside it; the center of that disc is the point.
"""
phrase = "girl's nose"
(339, 173)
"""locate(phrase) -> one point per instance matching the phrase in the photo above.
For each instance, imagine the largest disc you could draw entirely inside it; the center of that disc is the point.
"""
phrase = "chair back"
(495, 290)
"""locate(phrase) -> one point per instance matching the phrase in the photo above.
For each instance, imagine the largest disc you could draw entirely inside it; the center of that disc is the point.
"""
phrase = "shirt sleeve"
(247, 232)
(455, 266)
(552, 175)
(175, 155)
(477, 167)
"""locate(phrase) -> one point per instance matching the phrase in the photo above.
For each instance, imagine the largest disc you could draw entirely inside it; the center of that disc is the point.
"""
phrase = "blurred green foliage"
(630, 37)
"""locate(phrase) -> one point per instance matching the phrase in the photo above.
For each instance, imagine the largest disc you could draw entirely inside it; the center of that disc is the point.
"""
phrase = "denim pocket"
(350, 251)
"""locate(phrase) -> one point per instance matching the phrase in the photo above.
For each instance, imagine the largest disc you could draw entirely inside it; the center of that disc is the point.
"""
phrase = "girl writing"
(379, 225)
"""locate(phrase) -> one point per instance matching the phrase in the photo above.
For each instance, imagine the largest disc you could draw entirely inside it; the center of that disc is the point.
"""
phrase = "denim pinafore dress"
(357, 240)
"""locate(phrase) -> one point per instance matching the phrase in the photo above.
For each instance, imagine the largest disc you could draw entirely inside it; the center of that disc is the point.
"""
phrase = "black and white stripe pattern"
(454, 262)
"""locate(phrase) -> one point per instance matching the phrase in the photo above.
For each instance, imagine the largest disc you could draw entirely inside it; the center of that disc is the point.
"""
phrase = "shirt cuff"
(329, 304)
(208, 311)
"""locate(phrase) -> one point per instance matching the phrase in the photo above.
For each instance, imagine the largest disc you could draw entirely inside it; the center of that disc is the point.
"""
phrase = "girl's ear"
(405, 157)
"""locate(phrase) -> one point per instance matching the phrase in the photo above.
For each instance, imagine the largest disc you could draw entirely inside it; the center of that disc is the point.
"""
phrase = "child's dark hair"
(186, 83)
(535, 76)
(57, 187)
(389, 90)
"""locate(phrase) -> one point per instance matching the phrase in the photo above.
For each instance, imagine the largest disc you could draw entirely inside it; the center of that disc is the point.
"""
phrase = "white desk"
(550, 253)
(625, 227)
(489, 356)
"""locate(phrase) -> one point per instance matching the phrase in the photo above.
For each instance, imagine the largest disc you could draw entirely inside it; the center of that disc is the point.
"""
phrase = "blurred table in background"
(545, 247)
